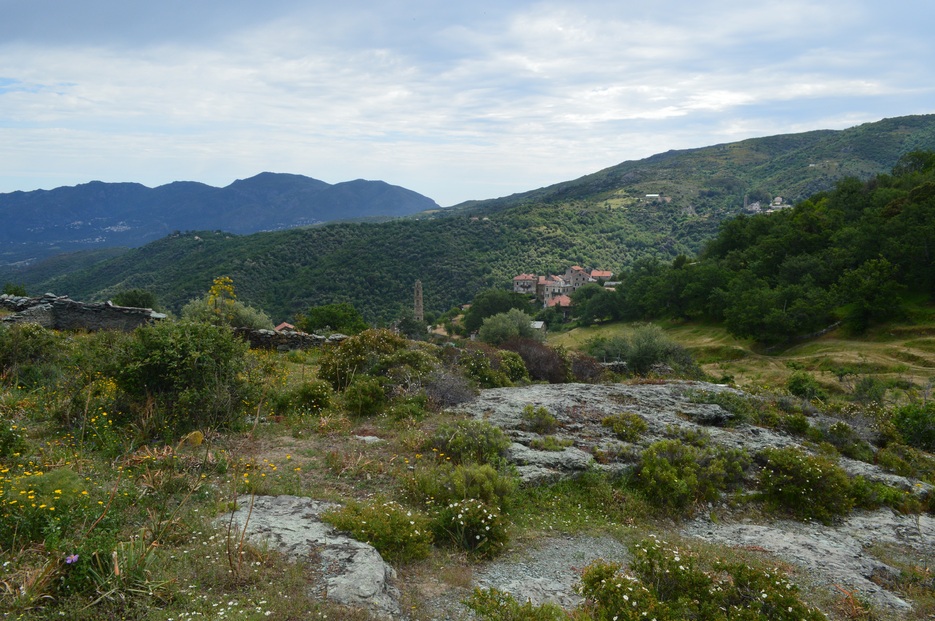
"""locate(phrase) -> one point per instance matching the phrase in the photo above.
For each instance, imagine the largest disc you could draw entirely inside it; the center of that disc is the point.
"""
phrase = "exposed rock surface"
(354, 572)
(835, 555)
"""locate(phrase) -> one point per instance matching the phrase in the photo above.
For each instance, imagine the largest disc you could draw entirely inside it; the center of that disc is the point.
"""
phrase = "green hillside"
(602, 220)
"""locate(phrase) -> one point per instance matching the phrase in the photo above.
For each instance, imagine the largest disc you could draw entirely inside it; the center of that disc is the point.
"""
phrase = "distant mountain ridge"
(98, 215)
(651, 209)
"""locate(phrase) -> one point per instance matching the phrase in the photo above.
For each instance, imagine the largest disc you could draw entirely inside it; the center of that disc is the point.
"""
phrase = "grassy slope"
(899, 354)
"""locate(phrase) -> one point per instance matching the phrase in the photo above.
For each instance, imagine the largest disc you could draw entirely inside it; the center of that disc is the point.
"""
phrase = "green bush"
(364, 396)
(809, 487)
(627, 426)
(185, 376)
(907, 461)
(470, 441)
(802, 384)
(444, 483)
(358, 355)
(539, 420)
(915, 424)
(473, 526)
(647, 347)
(499, 606)
(500, 328)
(843, 437)
(512, 365)
(399, 534)
(676, 476)
(483, 366)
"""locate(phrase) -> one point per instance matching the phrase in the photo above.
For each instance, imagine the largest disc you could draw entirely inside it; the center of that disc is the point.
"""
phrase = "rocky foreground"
(836, 557)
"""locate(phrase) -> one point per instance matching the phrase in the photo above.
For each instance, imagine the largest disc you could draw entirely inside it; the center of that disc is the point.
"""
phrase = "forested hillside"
(851, 255)
(603, 220)
(375, 266)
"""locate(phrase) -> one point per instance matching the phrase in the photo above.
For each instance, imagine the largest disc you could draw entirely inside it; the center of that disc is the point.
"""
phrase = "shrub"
(444, 483)
(676, 476)
(907, 461)
(869, 389)
(539, 420)
(193, 374)
(470, 441)
(399, 534)
(512, 365)
(585, 368)
(364, 396)
(12, 438)
(543, 362)
(500, 328)
(473, 526)
(482, 364)
(43, 507)
(915, 424)
(445, 388)
(647, 347)
(843, 437)
(307, 398)
(809, 487)
(357, 355)
(802, 384)
(627, 426)
(669, 583)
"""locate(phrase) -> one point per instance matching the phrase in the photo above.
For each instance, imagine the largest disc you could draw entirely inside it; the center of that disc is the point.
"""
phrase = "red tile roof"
(559, 300)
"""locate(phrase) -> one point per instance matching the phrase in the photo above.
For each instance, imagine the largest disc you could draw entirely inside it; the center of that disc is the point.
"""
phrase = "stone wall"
(63, 313)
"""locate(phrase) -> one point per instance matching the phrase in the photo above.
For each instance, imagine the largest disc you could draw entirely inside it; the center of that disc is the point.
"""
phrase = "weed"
(550, 443)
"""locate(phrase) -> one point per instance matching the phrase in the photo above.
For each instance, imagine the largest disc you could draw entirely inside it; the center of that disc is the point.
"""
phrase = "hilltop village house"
(556, 290)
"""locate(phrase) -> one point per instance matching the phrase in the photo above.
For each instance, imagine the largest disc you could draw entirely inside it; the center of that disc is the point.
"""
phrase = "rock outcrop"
(354, 572)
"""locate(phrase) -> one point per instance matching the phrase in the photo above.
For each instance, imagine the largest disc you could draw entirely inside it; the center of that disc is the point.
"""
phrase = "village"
(555, 291)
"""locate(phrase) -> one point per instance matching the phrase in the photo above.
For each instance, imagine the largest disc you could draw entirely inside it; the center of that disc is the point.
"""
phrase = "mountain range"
(655, 208)
(98, 215)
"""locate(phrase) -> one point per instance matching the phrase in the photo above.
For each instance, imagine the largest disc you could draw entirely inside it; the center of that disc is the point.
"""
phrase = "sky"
(454, 100)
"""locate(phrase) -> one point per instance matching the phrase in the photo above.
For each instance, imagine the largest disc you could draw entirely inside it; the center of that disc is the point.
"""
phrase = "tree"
(410, 327)
(593, 303)
(14, 289)
(502, 327)
(136, 298)
(339, 317)
(220, 307)
(490, 302)
(869, 293)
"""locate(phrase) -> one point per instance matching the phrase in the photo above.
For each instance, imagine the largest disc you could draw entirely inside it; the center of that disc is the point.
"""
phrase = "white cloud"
(482, 101)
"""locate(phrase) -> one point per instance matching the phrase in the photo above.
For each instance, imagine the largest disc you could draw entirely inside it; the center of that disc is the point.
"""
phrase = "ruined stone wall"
(285, 340)
(63, 313)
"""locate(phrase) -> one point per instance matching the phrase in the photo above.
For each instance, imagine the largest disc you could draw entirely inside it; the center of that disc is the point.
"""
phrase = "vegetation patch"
(626, 426)
(398, 533)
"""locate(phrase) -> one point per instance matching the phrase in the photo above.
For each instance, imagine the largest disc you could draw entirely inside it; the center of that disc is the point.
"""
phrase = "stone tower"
(417, 308)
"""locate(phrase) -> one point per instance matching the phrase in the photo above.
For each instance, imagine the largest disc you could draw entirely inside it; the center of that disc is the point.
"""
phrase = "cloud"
(465, 101)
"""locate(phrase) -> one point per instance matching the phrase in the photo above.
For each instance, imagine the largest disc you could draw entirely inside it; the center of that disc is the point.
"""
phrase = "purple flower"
(71, 558)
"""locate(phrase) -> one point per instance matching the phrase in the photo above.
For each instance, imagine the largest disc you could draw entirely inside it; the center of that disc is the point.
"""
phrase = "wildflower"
(71, 558)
